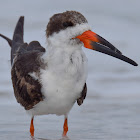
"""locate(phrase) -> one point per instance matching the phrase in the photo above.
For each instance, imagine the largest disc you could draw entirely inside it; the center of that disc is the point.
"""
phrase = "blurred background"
(111, 109)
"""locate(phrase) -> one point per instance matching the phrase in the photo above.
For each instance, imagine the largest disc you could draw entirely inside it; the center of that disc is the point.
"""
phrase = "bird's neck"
(60, 52)
(65, 59)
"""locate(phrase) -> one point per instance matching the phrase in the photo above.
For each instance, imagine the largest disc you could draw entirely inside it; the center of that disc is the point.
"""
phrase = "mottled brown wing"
(27, 90)
(83, 95)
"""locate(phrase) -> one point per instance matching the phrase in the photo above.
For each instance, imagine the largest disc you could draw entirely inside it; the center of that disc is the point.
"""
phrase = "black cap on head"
(63, 20)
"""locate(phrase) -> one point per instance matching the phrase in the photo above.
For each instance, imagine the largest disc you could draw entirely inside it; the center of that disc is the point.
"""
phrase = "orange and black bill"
(95, 42)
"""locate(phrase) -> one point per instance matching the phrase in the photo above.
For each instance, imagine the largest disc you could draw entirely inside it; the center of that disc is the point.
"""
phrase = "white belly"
(62, 83)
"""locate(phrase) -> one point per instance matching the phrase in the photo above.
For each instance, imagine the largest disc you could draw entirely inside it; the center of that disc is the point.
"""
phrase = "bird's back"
(25, 61)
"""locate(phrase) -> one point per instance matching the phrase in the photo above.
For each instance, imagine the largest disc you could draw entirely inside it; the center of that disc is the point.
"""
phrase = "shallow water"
(111, 109)
(98, 118)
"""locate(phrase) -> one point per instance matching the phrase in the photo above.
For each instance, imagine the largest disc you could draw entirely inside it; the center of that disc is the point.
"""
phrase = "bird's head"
(71, 29)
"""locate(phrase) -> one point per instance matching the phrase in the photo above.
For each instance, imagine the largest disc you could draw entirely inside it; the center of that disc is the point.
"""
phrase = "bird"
(51, 80)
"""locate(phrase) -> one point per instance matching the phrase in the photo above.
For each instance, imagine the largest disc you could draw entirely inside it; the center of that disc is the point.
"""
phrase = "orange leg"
(65, 127)
(32, 127)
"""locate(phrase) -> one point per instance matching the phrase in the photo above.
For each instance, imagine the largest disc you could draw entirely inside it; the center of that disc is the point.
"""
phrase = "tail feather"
(7, 39)
(18, 33)
(17, 37)
(17, 44)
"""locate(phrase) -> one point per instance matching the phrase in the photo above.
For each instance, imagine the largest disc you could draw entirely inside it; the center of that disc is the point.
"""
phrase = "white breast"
(62, 81)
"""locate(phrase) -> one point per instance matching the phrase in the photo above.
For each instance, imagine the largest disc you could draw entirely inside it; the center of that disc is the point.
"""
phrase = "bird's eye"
(67, 24)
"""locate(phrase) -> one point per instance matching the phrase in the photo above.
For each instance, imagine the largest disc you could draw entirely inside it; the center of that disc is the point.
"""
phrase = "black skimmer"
(50, 81)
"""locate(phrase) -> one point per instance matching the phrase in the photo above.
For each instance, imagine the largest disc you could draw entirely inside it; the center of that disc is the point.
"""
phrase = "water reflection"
(63, 138)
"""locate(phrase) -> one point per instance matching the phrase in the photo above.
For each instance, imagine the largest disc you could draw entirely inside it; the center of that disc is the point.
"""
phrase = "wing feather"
(27, 90)
(83, 95)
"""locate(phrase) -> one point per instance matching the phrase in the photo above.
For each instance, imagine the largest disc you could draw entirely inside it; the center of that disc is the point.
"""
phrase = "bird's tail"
(17, 41)
(7, 39)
